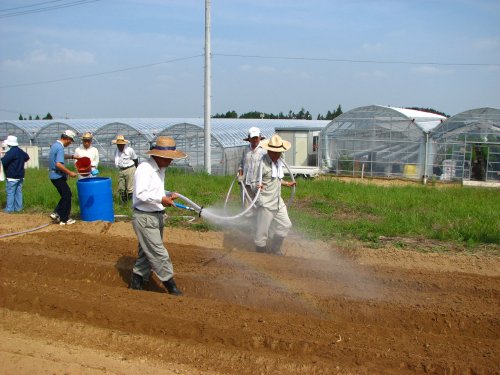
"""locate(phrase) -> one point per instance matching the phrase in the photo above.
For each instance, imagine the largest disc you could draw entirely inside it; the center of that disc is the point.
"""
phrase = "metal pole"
(208, 162)
(426, 157)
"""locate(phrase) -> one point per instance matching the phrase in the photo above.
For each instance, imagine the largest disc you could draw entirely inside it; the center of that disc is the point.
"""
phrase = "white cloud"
(487, 44)
(51, 56)
(372, 47)
(429, 70)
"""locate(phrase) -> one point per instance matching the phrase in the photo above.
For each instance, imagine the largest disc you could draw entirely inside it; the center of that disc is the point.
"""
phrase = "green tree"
(21, 117)
(30, 118)
(48, 116)
(37, 117)
(430, 110)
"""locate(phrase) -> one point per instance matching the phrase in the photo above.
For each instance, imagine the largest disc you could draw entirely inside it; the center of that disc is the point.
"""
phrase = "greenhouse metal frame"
(467, 146)
(227, 136)
(378, 141)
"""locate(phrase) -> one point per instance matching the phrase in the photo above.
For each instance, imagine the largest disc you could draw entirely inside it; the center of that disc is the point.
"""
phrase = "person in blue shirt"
(13, 164)
(58, 174)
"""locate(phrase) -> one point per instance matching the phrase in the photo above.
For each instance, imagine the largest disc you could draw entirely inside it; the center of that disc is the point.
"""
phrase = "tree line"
(48, 116)
(301, 115)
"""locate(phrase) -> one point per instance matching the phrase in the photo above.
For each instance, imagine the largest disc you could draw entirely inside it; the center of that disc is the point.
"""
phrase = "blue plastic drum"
(95, 198)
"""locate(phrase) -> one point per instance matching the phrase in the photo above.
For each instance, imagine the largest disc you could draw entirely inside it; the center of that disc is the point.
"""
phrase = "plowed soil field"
(65, 307)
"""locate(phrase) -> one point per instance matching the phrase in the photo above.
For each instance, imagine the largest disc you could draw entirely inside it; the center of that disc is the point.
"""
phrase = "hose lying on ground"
(24, 231)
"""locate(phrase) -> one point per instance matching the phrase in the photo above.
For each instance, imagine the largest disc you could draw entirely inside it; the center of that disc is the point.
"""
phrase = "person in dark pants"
(149, 202)
(58, 174)
(13, 164)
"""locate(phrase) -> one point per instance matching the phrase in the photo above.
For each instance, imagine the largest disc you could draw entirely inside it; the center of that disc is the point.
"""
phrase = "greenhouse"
(227, 135)
(467, 146)
(378, 141)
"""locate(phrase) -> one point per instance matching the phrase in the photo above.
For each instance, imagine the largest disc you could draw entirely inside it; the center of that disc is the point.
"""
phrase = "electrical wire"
(45, 9)
(353, 61)
(100, 74)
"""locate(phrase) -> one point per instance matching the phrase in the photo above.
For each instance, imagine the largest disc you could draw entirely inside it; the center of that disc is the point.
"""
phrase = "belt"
(150, 212)
(130, 166)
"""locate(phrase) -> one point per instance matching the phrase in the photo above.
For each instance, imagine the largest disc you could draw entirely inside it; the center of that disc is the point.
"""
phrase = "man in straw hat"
(58, 174)
(250, 160)
(89, 151)
(126, 161)
(149, 202)
(13, 163)
(272, 215)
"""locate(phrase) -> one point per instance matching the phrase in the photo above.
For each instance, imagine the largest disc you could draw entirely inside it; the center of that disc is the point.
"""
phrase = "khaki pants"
(152, 254)
(126, 180)
(269, 222)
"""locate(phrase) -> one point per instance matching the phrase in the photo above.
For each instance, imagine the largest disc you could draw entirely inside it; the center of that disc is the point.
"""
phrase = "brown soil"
(65, 307)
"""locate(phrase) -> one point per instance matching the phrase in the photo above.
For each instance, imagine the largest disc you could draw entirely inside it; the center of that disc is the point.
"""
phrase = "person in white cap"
(13, 163)
(250, 161)
(58, 174)
(126, 161)
(89, 151)
(272, 214)
(149, 202)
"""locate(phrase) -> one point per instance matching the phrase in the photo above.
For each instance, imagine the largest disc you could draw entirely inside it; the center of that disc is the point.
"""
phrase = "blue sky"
(144, 58)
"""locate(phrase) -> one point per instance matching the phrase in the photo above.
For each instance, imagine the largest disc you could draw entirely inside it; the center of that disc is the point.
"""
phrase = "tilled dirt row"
(249, 313)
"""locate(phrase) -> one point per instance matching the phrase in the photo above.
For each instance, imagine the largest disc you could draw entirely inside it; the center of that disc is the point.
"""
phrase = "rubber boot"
(276, 245)
(136, 282)
(172, 287)
(261, 249)
(123, 196)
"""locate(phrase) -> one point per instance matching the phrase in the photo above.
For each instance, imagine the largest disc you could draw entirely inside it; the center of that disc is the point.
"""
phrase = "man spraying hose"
(272, 214)
(149, 201)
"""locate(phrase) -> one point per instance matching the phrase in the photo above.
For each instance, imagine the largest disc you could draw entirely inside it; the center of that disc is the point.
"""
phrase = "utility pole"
(208, 94)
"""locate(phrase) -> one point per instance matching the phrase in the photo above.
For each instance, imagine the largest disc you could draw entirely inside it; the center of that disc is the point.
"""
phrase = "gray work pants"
(152, 254)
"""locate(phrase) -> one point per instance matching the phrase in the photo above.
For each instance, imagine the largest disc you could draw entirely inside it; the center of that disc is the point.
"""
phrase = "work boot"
(261, 249)
(276, 245)
(172, 287)
(136, 282)
(124, 197)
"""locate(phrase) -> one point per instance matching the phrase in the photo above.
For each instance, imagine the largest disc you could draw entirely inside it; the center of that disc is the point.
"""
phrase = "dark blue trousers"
(63, 208)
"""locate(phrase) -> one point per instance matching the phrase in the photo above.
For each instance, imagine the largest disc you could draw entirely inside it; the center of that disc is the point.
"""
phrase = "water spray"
(192, 206)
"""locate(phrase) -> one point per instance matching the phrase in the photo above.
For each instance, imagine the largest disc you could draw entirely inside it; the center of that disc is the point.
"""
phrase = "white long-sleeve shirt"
(126, 158)
(250, 161)
(149, 186)
(91, 153)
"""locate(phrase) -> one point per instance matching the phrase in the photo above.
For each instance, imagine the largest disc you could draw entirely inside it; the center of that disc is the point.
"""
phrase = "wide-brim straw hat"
(120, 140)
(253, 132)
(165, 147)
(87, 136)
(276, 144)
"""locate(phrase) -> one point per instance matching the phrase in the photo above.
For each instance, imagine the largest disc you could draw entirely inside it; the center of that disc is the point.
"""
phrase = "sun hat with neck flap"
(165, 147)
(276, 144)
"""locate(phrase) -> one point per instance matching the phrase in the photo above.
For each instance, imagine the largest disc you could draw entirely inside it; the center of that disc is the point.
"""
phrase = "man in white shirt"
(126, 161)
(89, 151)
(272, 214)
(250, 161)
(149, 202)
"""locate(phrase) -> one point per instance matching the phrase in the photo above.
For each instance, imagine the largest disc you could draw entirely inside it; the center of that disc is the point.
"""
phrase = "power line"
(30, 6)
(353, 61)
(99, 74)
(45, 9)
(246, 56)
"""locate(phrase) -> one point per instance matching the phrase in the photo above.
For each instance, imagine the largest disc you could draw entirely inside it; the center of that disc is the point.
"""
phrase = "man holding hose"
(272, 214)
(149, 202)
